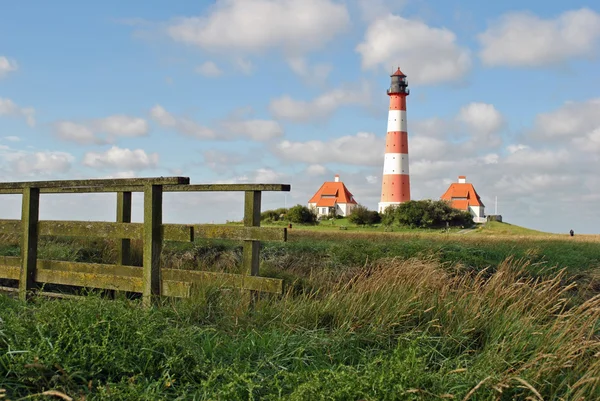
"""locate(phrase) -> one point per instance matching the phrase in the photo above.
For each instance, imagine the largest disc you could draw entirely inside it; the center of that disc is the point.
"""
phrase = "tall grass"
(394, 330)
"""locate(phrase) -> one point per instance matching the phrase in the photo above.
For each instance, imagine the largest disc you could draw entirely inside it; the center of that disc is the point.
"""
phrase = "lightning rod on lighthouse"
(395, 187)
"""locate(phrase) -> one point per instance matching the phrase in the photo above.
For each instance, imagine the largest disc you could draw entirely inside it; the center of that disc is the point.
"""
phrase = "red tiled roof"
(332, 188)
(461, 204)
(326, 202)
(466, 190)
(329, 192)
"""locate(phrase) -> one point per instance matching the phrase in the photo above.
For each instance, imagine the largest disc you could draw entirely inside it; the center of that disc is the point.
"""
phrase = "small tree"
(360, 215)
(302, 215)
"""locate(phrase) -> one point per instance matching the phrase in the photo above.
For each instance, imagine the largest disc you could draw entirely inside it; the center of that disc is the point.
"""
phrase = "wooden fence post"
(152, 243)
(123, 244)
(29, 240)
(124, 216)
(251, 252)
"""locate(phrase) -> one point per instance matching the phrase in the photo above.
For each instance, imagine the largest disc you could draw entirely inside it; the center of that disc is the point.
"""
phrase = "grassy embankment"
(369, 316)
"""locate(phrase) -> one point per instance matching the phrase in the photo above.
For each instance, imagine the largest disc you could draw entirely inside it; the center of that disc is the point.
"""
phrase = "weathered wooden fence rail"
(151, 280)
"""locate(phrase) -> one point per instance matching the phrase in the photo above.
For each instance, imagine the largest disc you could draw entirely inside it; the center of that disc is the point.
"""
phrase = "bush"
(362, 216)
(273, 215)
(427, 214)
(302, 215)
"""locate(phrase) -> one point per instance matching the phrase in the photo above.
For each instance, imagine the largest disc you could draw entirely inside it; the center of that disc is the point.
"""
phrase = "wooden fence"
(151, 280)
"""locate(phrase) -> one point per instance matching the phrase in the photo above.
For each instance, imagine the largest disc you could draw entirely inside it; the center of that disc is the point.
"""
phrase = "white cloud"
(315, 169)
(525, 156)
(224, 161)
(427, 55)
(374, 9)
(257, 130)
(524, 39)
(244, 66)
(267, 176)
(12, 138)
(372, 179)
(254, 26)
(362, 149)
(70, 131)
(7, 66)
(10, 108)
(180, 124)
(90, 132)
(261, 176)
(321, 107)
(590, 142)
(209, 69)
(423, 147)
(37, 163)
(481, 117)
(516, 148)
(232, 128)
(484, 122)
(121, 125)
(315, 74)
(121, 174)
(570, 120)
(119, 158)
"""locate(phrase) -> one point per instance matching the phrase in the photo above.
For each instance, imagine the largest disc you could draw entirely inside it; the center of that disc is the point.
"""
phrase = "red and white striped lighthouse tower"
(395, 188)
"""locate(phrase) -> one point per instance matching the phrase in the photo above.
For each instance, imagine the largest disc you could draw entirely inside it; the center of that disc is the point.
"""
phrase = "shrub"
(301, 214)
(426, 214)
(362, 216)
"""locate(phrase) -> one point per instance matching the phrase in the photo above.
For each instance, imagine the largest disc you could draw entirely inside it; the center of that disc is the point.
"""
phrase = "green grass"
(365, 315)
(396, 331)
(500, 228)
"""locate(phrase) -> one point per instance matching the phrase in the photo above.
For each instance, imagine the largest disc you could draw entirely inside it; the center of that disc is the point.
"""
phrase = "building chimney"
(337, 178)
(462, 179)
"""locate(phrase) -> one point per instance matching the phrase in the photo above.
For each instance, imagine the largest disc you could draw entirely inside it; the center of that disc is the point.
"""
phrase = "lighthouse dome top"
(398, 73)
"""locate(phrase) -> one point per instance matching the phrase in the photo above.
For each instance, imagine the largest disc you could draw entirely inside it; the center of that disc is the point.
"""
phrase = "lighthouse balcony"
(398, 91)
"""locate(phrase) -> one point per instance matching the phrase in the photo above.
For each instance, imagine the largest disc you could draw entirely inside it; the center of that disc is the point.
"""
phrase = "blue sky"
(506, 93)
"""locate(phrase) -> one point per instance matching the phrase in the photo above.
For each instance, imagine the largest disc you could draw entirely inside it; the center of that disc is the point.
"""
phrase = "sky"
(293, 92)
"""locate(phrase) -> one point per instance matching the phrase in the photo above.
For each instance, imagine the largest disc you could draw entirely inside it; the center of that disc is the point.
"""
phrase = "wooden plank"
(10, 272)
(217, 231)
(167, 188)
(103, 229)
(239, 281)
(178, 232)
(78, 190)
(91, 268)
(29, 240)
(14, 261)
(105, 281)
(227, 187)
(97, 182)
(152, 243)
(10, 226)
(179, 282)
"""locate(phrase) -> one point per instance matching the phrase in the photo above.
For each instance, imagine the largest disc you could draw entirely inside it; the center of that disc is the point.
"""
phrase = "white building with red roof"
(332, 196)
(462, 196)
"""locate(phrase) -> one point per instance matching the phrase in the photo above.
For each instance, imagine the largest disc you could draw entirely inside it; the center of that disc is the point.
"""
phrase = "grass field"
(497, 313)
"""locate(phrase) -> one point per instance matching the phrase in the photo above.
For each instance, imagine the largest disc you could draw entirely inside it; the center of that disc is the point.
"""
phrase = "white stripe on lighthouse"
(397, 121)
(395, 163)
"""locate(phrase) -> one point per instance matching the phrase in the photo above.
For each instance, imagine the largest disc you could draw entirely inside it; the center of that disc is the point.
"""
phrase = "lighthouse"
(395, 187)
